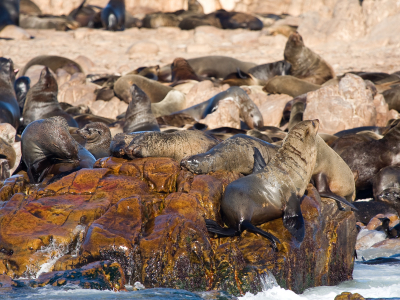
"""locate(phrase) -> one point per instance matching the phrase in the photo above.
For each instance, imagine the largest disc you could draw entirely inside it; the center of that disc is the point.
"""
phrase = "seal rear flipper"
(339, 199)
(259, 162)
(214, 227)
(293, 219)
(38, 170)
(246, 225)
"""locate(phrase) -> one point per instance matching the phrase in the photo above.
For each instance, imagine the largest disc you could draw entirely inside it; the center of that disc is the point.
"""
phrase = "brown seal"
(306, 64)
(181, 71)
(289, 85)
(235, 20)
(41, 101)
(274, 190)
(176, 145)
(139, 116)
(153, 89)
(386, 186)
(296, 114)
(148, 72)
(7, 159)
(9, 108)
(234, 154)
(53, 62)
(97, 138)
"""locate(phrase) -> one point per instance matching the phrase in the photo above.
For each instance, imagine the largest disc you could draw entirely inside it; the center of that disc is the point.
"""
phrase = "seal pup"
(97, 138)
(45, 143)
(234, 154)
(273, 190)
(139, 116)
(386, 186)
(176, 145)
(41, 101)
(53, 62)
(9, 13)
(153, 89)
(289, 85)
(113, 15)
(21, 87)
(9, 109)
(306, 64)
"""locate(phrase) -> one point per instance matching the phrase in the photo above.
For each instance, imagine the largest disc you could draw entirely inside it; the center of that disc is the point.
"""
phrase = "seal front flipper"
(214, 227)
(293, 219)
(259, 162)
(339, 200)
(246, 225)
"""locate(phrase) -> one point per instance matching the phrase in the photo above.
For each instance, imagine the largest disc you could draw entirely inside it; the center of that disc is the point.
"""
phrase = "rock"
(272, 107)
(387, 244)
(366, 238)
(349, 296)
(344, 106)
(382, 110)
(203, 91)
(226, 115)
(14, 32)
(85, 63)
(108, 109)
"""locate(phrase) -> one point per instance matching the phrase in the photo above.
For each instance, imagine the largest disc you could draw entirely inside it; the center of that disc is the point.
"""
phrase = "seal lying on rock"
(9, 109)
(176, 145)
(289, 85)
(306, 64)
(41, 101)
(97, 138)
(272, 191)
(53, 62)
(233, 154)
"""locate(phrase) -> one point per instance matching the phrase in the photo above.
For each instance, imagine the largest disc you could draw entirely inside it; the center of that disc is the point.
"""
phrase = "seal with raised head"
(97, 138)
(306, 64)
(41, 101)
(273, 190)
(113, 15)
(234, 154)
(176, 145)
(9, 109)
(139, 116)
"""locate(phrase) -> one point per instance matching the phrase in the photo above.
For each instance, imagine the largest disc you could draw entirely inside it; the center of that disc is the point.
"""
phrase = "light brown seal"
(53, 62)
(306, 64)
(289, 85)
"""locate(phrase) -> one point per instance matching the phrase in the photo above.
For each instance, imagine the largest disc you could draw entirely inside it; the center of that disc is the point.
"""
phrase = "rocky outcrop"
(144, 220)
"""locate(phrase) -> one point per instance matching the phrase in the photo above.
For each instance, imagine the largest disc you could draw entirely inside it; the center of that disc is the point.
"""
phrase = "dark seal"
(113, 15)
(9, 109)
(97, 138)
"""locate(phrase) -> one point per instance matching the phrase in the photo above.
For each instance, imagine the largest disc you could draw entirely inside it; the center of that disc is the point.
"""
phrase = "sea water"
(370, 281)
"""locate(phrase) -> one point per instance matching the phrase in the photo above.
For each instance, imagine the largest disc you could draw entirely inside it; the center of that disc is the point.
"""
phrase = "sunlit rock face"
(145, 219)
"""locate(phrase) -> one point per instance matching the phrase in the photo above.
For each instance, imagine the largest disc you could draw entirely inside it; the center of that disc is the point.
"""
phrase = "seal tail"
(214, 227)
(293, 219)
(246, 225)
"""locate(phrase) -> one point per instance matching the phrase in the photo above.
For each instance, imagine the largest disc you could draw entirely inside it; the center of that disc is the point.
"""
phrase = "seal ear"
(293, 219)
(259, 162)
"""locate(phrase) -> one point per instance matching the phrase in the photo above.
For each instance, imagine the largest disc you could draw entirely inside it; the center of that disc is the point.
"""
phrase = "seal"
(249, 112)
(113, 15)
(391, 233)
(234, 154)
(270, 70)
(84, 119)
(155, 20)
(366, 210)
(306, 64)
(153, 89)
(138, 115)
(235, 20)
(7, 159)
(289, 85)
(273, 190)
(27, 7)
(41, 101)
(45, 143)
(392, 97)
(182, 71)
(386, 186)
(367, 158)
(176, 145)
(258, 134)
(296, 114)
(349, 140)
(97, 138)
(9, 108)
(173, 102)
(21, 87)
(9, 13)
(53, 62)
(210, 66)
(242, 78)
(148, 72)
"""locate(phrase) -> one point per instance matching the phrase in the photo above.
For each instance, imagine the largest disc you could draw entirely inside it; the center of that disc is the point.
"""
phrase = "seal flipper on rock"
(293, 219)
(322, 186)
(246, 225)
(214, 227)
(259, 162)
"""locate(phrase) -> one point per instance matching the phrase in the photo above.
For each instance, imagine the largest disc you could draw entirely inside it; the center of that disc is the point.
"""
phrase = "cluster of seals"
(274, 190)
(9, 108)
